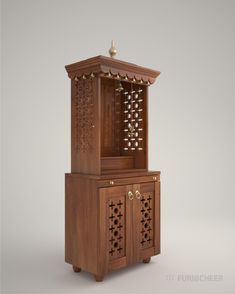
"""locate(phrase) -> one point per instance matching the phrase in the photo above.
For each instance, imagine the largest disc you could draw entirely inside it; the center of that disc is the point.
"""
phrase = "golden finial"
(112, 50)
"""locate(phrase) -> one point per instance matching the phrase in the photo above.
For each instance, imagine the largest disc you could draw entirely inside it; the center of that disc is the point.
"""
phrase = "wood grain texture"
(81, 229)
(136, 224)
(140, 156)
(117, 162)
(85, 127)
(110, 119)
(117, 264)
(91, 214)
(103, 64)
(98, 130)
(108, 226)
(126, 181)
(129, 226)
(143, 214)
(157, 220)
(112, 201)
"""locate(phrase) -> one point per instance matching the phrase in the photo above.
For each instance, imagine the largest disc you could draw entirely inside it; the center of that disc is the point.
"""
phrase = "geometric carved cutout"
(84, 114)
(146, 232)
(133, 119)
(116, 225)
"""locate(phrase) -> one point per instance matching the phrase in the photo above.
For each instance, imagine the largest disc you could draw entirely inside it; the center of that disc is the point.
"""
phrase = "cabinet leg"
(76, 269)
(98, 278)
(147, 260)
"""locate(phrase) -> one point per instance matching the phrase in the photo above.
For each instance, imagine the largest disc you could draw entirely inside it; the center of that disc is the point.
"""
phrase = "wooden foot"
(99, 278)
(147, 260)
(76, 269)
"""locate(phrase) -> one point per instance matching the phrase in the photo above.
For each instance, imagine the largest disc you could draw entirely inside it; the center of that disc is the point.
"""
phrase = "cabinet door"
(115, 214)
(146, 219)
(129, 224)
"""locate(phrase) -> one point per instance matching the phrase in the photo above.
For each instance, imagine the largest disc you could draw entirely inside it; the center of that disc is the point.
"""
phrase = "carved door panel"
(115, 216)
(129, 224)
(146, 220)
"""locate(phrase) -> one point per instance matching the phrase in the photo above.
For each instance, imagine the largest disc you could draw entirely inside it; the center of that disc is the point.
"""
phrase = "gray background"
(191, 137)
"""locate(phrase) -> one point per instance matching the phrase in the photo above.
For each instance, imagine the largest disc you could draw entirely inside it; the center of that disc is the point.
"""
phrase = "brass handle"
(137, 194)
(154, 178)
(130, 195)
(111, 182)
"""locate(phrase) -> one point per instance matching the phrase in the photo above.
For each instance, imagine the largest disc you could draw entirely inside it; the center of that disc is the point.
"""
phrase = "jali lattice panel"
(133, 120)
(147, 205)
(84, 114)
(116, 227)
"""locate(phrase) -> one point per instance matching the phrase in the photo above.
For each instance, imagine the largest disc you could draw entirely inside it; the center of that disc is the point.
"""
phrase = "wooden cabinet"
(112, 222)
(112, 200)
(131, 217)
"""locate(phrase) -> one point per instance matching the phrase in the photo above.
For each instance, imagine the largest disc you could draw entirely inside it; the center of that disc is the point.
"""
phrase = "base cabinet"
(110, 227)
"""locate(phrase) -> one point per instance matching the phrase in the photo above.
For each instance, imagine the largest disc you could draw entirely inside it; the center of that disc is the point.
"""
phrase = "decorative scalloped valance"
(111, 68)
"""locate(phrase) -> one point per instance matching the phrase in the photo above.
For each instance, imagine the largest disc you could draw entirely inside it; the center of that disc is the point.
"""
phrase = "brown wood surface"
(147, 260)
(125, 181)
(133, 216)
(136, 224)
(157, 221)
(117, 162)
(112, 201)
(86, 158)
(140, 157)
(105, 195)
(97, 128)
(110, 119)
(98, 278)
(144, 189)
(147, 253)
(118, 175)
(81, 231)
(76, 269)
(129, 226)
(123, 171)
(87, 222)
(103, 64)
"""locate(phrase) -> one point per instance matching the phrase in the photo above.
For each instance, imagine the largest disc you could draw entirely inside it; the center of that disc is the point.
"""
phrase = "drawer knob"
(111, 182)
(154, 178)
(130, 195)
(137, 194)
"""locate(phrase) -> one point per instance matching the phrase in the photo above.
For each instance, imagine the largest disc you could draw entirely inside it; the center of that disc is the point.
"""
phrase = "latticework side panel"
(133, 120)
(84, 114)
(116, 227)
(146, 232)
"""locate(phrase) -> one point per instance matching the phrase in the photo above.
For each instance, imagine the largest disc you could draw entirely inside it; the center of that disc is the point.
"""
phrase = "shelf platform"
(116, 162)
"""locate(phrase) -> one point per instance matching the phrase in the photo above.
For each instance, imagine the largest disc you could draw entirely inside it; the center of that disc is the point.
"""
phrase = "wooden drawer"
(127, 181)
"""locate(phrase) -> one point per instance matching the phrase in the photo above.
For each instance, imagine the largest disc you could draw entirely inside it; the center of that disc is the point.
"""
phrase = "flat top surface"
(117, 175)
